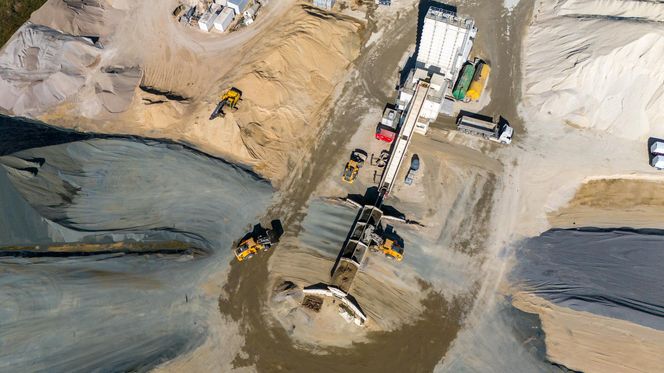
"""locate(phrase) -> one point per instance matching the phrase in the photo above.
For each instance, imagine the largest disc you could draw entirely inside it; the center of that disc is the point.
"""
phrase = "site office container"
(224, 20)
(238, 6)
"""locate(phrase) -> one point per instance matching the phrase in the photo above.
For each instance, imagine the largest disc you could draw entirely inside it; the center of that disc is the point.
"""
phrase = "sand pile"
(599, 344)
(287, 64)
(128, 312)
(579, 70)
(632, 202)
(41, 68)
(598, 291)
(286, 87)
(80, 17)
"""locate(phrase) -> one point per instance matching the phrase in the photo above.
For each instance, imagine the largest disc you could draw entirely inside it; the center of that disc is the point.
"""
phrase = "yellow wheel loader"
(353, 166)
(391, 249)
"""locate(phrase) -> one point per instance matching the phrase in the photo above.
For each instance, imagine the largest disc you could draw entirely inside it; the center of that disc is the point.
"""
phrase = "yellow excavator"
(230, 98)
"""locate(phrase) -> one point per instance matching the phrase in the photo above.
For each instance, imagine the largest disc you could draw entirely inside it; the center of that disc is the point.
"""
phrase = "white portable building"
(238, 6)
(207, 19)
(657, 147)
(658, 162)
(224, 20)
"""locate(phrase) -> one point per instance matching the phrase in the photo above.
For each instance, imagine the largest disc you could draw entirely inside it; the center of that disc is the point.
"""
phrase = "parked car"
(414, 166)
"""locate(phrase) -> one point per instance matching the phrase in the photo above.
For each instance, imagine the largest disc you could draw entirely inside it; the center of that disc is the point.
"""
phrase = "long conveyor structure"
(362, 232)
(403, 140)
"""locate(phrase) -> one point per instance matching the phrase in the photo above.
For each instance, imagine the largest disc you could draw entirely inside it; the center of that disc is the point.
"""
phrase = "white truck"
(657, 154)
(500, 132)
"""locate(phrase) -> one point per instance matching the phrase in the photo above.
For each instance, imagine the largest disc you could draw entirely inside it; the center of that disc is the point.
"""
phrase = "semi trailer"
(500, 132)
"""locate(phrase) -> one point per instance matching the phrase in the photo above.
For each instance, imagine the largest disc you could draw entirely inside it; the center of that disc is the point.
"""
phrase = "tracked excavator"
(230, 98)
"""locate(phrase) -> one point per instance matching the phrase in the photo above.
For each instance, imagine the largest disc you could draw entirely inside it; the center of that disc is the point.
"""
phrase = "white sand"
(581, 71)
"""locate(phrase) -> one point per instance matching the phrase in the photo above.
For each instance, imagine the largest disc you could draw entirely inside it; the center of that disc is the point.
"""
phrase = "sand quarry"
(584, 101)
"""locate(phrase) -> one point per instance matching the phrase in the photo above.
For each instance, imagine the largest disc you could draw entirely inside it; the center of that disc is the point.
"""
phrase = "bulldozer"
(353, 166)
(230, 98)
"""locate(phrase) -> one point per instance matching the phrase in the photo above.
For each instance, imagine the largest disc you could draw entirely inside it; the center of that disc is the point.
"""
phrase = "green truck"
(462, 84)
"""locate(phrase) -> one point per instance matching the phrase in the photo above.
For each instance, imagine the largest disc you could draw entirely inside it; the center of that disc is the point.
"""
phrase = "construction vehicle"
(230, 98)
(353, 166)
(255, 243)
(391, 249)
(388, 126)
(500, 132)
(387, 243)
(414, 166)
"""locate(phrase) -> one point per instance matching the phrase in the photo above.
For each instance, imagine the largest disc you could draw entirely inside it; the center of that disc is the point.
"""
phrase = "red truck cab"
(387, 128)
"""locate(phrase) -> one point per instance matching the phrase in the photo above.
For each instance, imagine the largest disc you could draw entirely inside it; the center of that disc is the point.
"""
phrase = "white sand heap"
(81, 17)
(41, 68)
(597, 64)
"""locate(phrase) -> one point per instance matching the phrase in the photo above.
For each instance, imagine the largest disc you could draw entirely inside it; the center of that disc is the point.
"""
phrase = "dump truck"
(230, 98)
(388, 126)
(482, 71)
(462, 84)
(353, 166)
(500, 132)
(260, 240)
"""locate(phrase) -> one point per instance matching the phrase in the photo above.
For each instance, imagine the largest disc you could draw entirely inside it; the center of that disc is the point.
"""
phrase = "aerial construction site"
(316, 186)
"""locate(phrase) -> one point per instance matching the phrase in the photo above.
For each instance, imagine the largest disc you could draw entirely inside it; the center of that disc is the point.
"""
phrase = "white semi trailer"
(499, 132)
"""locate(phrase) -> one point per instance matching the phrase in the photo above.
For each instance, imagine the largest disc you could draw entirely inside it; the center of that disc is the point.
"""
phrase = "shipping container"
(206, 21)
(478, 84)
(224, 20)
(238, 6)
(463, 82)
